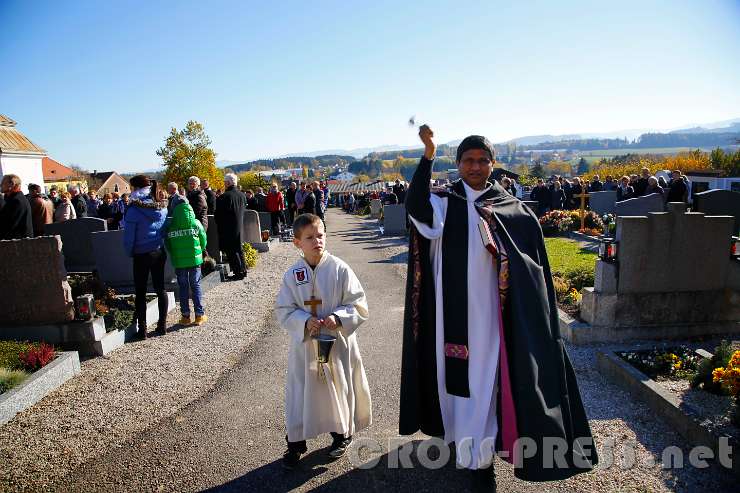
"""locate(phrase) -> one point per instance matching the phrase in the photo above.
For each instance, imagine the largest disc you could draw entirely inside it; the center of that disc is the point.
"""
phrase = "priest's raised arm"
(417, 198)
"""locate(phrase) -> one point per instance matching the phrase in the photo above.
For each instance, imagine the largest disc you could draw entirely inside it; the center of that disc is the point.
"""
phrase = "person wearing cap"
(143, 240)
(483, 363)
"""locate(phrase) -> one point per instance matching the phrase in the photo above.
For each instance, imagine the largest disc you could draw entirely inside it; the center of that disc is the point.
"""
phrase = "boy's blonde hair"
(304, 220)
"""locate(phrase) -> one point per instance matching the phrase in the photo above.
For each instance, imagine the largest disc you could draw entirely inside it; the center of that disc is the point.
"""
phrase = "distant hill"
(293, 162)
(732, 128)
(537, 139)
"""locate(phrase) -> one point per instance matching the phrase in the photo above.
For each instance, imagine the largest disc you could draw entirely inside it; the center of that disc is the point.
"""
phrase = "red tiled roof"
(54, 170)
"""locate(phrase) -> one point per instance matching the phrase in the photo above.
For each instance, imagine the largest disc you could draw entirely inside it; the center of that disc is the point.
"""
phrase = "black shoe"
(161, 328)
(484, 480)
(339, 447)
(291, 459)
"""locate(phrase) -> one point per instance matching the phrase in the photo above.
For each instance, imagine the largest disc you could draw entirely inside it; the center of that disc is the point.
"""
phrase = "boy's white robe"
(341, 402)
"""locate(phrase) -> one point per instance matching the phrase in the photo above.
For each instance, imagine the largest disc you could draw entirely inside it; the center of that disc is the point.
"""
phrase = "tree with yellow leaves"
(187, 153)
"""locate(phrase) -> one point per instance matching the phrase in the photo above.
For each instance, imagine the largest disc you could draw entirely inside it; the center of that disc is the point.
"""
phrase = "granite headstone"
(719, 203)
(640, 206)
(39, 293)
(394, 220)
(76, 241)
(115, 268)
(603, 202)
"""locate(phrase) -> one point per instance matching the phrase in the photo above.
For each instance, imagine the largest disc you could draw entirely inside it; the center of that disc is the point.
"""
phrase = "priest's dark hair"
(475, 142)
(305, 220)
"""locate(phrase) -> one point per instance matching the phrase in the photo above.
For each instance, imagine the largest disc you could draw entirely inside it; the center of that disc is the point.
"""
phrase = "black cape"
(229, 216)
(15, 218)
(547, 401)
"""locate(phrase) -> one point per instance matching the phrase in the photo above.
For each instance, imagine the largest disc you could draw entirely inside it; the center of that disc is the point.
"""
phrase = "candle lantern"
(84, 307)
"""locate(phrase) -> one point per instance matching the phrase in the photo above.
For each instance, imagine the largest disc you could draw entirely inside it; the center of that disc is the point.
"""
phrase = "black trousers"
(236, 260)
(301, 447)
(276, 218)
(144, 264)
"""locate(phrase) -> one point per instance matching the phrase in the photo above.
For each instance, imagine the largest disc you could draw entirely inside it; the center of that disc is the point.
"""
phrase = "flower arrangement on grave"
(37, 356)
(573, 297)
(679, 363)
(556, 222)
(610, 223)
(729, 378)
(250, 255)
(19, 359)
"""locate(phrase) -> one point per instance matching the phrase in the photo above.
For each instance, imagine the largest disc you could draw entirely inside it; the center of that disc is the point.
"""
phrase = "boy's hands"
(331, 322)
(313, 325)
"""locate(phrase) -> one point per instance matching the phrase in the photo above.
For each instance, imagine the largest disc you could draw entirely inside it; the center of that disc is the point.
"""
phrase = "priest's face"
(475, 167)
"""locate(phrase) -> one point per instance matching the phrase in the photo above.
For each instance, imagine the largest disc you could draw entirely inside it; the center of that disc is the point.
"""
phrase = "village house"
(108, 182)
(59, 176)
(18, 155)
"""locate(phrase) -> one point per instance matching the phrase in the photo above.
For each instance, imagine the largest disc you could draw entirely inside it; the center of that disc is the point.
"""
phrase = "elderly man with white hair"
(78, 201)
(197, 200)
(230, 207)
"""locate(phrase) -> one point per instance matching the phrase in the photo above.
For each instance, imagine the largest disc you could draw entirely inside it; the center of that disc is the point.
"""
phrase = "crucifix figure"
(313, 303)
(582, 212)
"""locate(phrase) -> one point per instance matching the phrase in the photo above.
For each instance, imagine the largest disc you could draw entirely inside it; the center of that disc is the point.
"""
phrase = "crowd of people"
(559, 193)
(28, 214)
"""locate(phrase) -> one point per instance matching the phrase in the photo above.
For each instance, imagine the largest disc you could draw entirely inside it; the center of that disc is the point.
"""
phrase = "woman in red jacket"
(275, 206)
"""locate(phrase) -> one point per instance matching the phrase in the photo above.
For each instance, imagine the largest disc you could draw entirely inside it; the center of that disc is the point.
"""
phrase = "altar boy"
(321, 295)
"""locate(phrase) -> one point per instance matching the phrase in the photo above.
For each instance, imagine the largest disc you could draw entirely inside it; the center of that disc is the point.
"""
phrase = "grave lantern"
(735, 247)
(608, 250)
(84, 307)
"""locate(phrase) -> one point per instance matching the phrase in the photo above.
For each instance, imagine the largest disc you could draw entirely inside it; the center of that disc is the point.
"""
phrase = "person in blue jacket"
(143, 239)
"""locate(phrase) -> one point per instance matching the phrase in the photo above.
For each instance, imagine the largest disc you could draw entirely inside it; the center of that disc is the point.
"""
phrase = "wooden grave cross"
(583, 196)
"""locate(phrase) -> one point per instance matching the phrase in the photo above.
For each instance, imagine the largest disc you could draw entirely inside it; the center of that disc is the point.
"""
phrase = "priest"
(484, 365)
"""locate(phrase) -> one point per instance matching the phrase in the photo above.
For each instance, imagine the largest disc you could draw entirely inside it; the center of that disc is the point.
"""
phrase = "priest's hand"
(313, 325)
(426, 135)
(331, 322)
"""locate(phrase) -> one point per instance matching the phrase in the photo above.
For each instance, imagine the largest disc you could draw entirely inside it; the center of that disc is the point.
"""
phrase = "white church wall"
(27, 166)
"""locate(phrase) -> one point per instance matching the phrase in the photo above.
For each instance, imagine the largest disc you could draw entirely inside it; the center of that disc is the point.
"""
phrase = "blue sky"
(99, 84)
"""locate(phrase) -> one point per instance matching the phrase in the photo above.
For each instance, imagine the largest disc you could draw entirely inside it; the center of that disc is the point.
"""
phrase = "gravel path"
(230, 438)
(142, 383)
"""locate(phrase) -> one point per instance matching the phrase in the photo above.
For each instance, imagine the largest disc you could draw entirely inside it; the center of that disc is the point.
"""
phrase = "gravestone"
(603, 202)
(251, 227)
(212, 239)
(265, 220)
(674, 278)
(76, 241)
(640, 206)
(115, 268)
(719, 203)
(376, 206)
(394, 220)
(39, 293)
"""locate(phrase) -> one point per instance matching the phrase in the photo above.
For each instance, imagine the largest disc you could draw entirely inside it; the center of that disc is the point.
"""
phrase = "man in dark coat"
(479, 278)
(290, 202)
(309, 203)
(210, 196)
(229, 216)
(197, 200)
(677, 190)
(78, 202)
(15, 216)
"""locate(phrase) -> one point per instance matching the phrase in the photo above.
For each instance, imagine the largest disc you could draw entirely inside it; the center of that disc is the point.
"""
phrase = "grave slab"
(640, 206)
(719, 203)
(115, 268)
(394, 220)
(40, 293)
(76, 241)
(603, 202)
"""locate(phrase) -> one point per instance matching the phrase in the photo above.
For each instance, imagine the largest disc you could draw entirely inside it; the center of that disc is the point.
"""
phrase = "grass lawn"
(565, 254)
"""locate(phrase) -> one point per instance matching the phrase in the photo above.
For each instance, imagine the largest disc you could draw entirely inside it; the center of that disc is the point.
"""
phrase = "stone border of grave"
(88, 338)
(575, 235)
(665, 405)
(37, 386)
(573, 330)
(152, 315)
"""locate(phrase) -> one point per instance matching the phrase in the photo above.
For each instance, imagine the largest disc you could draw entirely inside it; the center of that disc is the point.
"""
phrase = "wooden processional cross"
(313, 303)
(583, 196)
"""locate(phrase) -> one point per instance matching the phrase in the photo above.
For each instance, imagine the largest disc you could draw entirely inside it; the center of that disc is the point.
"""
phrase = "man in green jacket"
(186, 242)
